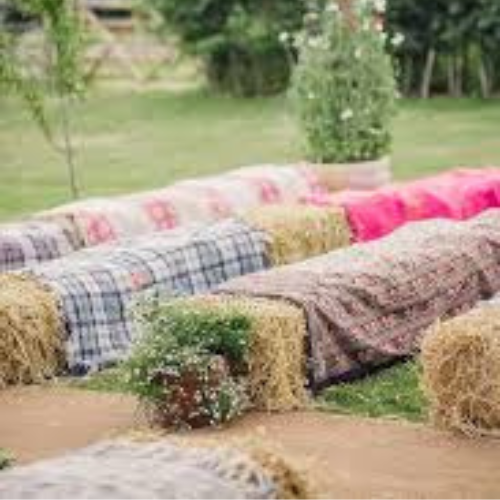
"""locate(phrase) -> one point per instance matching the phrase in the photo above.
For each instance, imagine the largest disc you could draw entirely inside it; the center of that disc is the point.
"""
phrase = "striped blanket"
(97, 288)
(28, 243)
(369, 304)
(201, 200)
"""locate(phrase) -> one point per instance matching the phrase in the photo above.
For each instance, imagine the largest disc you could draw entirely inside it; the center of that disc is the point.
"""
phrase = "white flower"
(284, 37)
(380, 5)
(311, 96)
(314, 42)
(347, 114)
(357, 53)
(332, 7)
(397, 39)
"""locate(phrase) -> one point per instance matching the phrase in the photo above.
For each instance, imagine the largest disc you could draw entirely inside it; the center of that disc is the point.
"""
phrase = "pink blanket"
(459, 195)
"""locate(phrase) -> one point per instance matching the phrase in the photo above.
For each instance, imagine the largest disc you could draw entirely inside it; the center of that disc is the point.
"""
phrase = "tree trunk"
(484, 79)
(68, 151)
(428, 73)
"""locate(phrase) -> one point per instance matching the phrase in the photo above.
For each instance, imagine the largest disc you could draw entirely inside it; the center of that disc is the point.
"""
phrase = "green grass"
(110, 381)
(129, 140)
(392, 393)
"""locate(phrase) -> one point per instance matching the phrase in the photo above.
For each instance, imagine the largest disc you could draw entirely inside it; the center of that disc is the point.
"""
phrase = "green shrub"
(5, 459)
(187, 366)
(239, 40)
(344, 88)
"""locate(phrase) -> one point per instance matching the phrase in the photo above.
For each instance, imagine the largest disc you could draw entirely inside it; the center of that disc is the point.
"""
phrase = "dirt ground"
(345, 457)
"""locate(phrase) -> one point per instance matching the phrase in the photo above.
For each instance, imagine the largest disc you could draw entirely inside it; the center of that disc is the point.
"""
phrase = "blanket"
(204, 200)
(369, 304)
(27, 243)
(459, 195)
(97, 288)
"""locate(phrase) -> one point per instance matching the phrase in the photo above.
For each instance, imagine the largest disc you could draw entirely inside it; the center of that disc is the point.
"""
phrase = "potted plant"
(344, 92)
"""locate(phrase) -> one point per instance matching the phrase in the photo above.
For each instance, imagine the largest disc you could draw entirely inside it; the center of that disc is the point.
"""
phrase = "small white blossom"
(332, 7)
(380, 5)
(314, 42)
(311, 96)
(357, 53)
(397, 39)
(284, 37)
(347, 114)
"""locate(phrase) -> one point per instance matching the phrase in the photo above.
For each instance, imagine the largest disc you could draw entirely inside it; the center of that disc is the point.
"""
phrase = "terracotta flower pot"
(355, 175)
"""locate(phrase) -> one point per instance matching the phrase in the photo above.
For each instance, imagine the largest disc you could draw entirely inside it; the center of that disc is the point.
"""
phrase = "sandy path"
(346, 457)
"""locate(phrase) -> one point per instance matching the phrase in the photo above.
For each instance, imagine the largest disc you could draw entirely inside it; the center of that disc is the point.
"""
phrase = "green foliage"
(238, 40)
(5, 459)
(393, 393)
(344, 88)
(63, 75)
(464, 34)
(180, 351)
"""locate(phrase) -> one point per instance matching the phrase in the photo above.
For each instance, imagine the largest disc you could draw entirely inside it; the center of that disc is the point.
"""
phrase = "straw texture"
(300, 232)
(461, 372)
(30, 332)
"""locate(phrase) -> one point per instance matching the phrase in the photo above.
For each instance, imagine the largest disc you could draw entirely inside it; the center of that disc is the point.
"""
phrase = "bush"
(187, 367)
(344, 87)
(5, 459)
(238, 40)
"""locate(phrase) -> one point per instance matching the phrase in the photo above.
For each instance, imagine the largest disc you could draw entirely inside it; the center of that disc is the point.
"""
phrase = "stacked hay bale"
(97, 289)
(461, 371)
(300, 232)
(159, 469)
(277, 359)
(30, 331)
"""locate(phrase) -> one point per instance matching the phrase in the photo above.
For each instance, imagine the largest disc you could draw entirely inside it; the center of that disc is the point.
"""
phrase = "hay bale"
(298, 232)
(461, 372)
(277, 360)
(30, 331)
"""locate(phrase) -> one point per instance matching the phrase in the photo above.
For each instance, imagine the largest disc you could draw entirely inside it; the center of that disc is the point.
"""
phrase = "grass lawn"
(130, 140)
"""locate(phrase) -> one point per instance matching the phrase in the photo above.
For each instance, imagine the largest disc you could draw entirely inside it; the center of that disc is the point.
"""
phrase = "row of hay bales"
(95, 221)
(76, 312)
(364, 306)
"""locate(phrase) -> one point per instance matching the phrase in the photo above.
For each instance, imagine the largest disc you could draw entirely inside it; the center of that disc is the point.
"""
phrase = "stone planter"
(356, 175)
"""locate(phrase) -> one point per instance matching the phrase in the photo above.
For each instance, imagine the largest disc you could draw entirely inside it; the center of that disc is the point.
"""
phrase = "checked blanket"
(27, 243)
(370, 304)
(97, 288)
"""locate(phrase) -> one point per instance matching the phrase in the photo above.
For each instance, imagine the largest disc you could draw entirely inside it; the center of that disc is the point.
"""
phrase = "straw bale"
(461, 372)
(31, 347)
(298, 232)
(277, 361)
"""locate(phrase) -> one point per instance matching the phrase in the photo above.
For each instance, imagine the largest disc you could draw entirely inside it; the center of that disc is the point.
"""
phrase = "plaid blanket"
(28, 243)
(98, 287)
(369, 304)
(103, 220)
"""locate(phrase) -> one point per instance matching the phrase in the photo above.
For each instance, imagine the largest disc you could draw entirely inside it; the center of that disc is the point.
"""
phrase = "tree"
(60, 77)
(239, 40)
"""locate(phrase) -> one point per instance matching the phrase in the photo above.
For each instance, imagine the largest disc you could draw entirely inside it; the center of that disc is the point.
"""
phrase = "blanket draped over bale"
(203, 200)
(369, 304)
(27, 243)
(31, 346)
(461, 371)
(277, 360)
(459, 195)
(98, 288)
(158, 469)
(300, 232)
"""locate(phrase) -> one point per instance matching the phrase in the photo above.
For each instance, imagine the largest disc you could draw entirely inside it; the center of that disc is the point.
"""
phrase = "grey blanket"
(122, 469)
